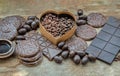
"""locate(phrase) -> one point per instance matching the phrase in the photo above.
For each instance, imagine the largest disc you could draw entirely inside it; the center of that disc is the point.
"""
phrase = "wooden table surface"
(12, 67)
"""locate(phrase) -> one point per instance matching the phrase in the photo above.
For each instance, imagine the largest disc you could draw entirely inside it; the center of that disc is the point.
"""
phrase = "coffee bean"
(22, 31)
(34, 25)
(81, 22)
(27, 27)
(76, 59)
(31, 18)
(28, 22)
(92, 58)
(65, 47)
(19, 37)
(72, 54)
(80, 12)
(82, 17)
(65, 54)
(81, 53)
(61, 44)
(58, 59)
(85, 60)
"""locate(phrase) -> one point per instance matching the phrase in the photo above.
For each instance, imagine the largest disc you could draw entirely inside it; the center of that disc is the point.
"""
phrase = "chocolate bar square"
(99, 43)
(115, 40)
(117, 33)
(104, 36)
(93, 50)
(106, 57)
(112, 48)
(109, 29)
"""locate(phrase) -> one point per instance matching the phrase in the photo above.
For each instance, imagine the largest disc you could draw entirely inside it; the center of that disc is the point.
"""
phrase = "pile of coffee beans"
(57, 26)
(81, 19)
(78, 57)
(32, 23)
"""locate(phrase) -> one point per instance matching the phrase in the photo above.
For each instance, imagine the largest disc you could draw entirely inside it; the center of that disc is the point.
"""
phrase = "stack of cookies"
(29, 52)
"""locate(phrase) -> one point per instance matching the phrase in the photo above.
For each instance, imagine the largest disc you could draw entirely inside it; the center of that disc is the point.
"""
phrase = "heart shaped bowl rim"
(49, 36)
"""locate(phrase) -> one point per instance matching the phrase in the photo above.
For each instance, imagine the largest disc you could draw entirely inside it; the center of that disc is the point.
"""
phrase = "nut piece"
(22, 31)
(27, 27)
(76, 59)
(80, 12)
(81, 53)
(72, 54)
(65, 54)
(85, 60)
(58, 59)
(61, 44)
(92, 58)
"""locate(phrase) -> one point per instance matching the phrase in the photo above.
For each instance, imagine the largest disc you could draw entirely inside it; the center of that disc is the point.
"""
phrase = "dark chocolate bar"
(106, 45)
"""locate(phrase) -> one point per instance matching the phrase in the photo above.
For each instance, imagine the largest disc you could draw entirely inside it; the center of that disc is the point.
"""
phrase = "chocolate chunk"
(58, 59)
(96, 19)
(86, 32)
(34, 25)
(76, 59)
(31, 18)
(61, 44)
(80, 12)
(71, 54)
(81, 22)
(85, 60)
(65, 54)
(22, 31)
(27, 27)
(20, 37)
(28, 22)
(92, 58)
(81, 53)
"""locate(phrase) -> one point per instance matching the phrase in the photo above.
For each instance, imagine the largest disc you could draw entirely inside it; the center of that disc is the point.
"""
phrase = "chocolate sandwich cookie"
(27, 48)
(86, 32)
(96, 19)
(32, 59)
(7, 30)
(27, 63)
(76, 44)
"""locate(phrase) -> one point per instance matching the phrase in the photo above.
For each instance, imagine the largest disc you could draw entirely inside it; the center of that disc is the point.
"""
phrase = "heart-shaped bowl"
(49, 36)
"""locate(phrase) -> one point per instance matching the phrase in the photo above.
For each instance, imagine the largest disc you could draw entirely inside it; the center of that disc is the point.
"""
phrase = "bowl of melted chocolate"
(6, 48)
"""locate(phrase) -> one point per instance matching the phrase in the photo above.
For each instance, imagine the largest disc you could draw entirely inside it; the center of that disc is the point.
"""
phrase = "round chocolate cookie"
(76, 44)
(86, 32)
(27, 48)
(15, 20)
(7, 30)
(31, 59)
(96, 19)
